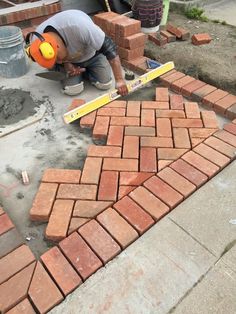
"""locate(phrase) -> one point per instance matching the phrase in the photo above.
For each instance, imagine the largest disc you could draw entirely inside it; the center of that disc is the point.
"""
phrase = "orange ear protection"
(43, 49)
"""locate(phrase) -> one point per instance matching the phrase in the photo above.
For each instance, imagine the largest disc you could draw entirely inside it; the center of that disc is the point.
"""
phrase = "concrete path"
(184, 264)
(223, 10)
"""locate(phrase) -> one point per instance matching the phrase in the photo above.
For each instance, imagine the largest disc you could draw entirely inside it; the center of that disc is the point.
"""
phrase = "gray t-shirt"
(82, 37)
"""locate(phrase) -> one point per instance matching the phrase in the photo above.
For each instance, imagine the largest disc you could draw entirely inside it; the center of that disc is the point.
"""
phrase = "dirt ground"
(214, 63)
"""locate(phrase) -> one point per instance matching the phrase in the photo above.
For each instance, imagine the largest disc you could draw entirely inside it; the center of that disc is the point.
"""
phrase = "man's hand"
(121, 87)
(73, 70)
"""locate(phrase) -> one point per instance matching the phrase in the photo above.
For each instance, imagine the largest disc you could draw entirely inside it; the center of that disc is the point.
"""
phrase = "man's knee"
(103, 86)
(73, 90)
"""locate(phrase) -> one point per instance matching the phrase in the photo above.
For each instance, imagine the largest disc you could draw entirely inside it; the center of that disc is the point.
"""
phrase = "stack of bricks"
(127, 35)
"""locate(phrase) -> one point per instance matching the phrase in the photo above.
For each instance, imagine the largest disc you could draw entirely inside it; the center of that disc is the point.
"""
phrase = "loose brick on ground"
(149, 202)
(116, 112)
(209, 119)
(221, 146)
(22, 307)
(125, 190)
(201, 92)
(212, 155)
(157, 39)
(14, 262)
(134, 178)
(226, 137)
(118, 164)
(115, 135)
(131, 147)
(108, 186)
(133, 108)
(201, 163)
(177, 85)
(43, 201)
(118, 227)
(173, 113)
(89, 209)
(84, 260)
(163, 191)
(134, 214)
(190, 173)
(104, 151)
(75, 223)
(187, 123)
(170, 37)
(179, 32)
(213, 97)
(148, 159)
(156, 141)
(88, 121)
(91, 170)
(181, 138)
(162, 94)
(15, 289)
(176, 102)
(76, 103)
(192, 110)
(42, 291)
(224, 103)
(149, 104)
(9, 241)
(177, 181)
(61, 270)
(59, 220)
(231, 128)
(147, 117)
(61, 176)
(101, 126)
(77, 191)
(163, 127)
(201, 39)
(140, 131)
(188, 89)
(100, 241)
(170, 153)
(201, 132)
(5, 224)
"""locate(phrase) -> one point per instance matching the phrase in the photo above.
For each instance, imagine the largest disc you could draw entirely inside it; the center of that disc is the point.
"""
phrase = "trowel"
(53, 75)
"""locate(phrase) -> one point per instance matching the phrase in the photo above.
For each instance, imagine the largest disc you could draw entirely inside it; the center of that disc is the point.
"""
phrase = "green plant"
(195, 13)
(224, 23)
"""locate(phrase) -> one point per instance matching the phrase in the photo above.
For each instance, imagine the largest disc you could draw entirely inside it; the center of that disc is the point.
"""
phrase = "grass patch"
(195, 13)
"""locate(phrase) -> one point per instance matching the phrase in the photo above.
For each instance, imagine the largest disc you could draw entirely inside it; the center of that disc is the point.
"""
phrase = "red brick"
(221, 146)
(118, 227)
(181, 138)
(201, 133)
(177, 181)
(178, 32)
(176, 102)
(101, 126)
(187, 123)
(10, 241)
(43, 201)
(134, 178)
(15, 289)
(22, 307)
(133, 41)
(108, 186)
(75, 223)
(125, 121)
(88, 121)
(125, 190)
(168, 73)
(231, 112)
(14, 262)
(170, 38)
(226, 137)
(195, 141)
(162, 94)
(59, 220)
(167, 81)
(201, 163)
(131, 147)
(140, 131)
(170, 113)
(104, 151)
(100, 241)
(5, 224)
(116, 104)
(170, 153)
(156, 142)
(224, 103)
(112, 26)
(42, 291)
(77, 191)
(213, 97)
(130, 54)
(90, 209)
(157, 39)
(163, 163)
(177, 85)
(190, 173)
(209, 119)
(134, 214)
(102, 19)
(133, 109)
(61, 176)
(155, 104)
(188, 89)
(164, 127)
(185, 35)
(212, 155)
(148, 159)
(201, 39)
(163, 191)
(115, 135)
(116, 112)
(192, 110)
(1, 211)
(138, 65)
(118, 164)
(147, 117)
(201, 92)
(128, 27)
(84, 260)
(230, 127)
(61, 270)
(91, 170)
(76, 103)
(150, 203)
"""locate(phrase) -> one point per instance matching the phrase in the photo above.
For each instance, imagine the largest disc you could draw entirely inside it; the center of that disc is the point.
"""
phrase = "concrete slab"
(229, 258)
(206, 215)
(214, 294)
(149, 277)
(223, 10)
